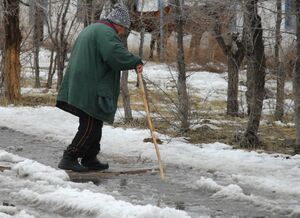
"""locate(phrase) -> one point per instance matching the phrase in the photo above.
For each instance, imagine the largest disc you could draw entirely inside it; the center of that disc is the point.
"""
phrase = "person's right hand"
(139, 68)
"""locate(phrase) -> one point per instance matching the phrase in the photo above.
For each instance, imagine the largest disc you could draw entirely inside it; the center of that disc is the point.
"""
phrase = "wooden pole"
(141, 84)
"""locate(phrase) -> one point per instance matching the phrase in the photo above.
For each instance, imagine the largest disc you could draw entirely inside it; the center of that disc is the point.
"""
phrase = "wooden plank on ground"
(2, 168)
(96, 175)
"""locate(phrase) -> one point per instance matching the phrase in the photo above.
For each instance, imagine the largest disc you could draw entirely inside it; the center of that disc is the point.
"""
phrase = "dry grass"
(215, 126)
(274, 139)
(32, 100)
(278, 139)
(3, 101)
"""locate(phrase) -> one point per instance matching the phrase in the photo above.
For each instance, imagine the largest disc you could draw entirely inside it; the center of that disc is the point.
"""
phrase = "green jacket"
(92, 79)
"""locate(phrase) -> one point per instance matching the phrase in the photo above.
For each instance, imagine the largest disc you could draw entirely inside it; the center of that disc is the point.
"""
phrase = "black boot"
(92, 163)
(69, 162)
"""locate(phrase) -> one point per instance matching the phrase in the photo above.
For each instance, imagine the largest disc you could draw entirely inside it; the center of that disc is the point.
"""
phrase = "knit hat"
(119, 15)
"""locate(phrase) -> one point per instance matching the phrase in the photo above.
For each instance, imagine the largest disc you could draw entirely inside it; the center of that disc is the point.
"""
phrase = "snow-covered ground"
(50, 190)
(44, 186)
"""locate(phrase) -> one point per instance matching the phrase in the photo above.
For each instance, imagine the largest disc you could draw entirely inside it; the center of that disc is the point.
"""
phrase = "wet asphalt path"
(144, 188)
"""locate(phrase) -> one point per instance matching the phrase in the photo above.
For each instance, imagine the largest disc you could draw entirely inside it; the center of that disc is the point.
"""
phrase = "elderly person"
(91, 86)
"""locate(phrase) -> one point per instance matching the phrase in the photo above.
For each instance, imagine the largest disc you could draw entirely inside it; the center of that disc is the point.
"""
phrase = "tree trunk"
(255, 59)
(161, 32)
(98, 8)
(193, 54)
(62, 47)
(249, 84)
(296, 81)
(52, 69)
(181, 83)
(249, 47)
(152, 45)
(88, 10)
(36, 51)
(1, 70)
(37, 39)
(124, 84)
(126, 97)
(233, 86)
(234, 59)
(60, 69)
(142, 32)
(142, 38)
(279, 112)
(13, 38)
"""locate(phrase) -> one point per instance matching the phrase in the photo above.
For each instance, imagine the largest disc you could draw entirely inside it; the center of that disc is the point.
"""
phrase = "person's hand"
(139, 68)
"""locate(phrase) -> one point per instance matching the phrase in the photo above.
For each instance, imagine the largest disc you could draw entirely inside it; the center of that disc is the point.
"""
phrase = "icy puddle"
(179, 192)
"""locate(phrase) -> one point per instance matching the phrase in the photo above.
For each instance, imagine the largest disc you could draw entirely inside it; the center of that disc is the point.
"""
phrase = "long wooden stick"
(140, 79)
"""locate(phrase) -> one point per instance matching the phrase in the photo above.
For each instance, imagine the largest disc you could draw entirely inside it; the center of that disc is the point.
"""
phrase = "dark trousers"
(86, 142)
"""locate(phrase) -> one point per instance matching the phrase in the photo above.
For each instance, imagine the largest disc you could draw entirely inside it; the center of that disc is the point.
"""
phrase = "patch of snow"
(35, 184)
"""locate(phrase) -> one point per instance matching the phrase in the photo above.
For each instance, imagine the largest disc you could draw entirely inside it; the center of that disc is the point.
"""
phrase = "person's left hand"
(139, 68)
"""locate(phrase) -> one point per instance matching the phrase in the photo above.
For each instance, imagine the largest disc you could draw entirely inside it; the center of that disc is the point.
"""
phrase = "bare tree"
(232, 46)
(60, 34)
(52, 69)
(142, 29)
(38, 27)
(1, 61)
(126, 97)
(1, 70)
(13, 38)
(62, 44)
(256, 68)
(90, 10)
(183, 98)
(125, 91)
(279, 111)
(161, 31)
(296, 81)
(2, 35)
(124, 80)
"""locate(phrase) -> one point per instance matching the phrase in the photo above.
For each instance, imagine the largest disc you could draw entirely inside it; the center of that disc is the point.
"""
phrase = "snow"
(143, 5)
(101, 205)
(12, 210)
(210, 86)
(43, 186)
(46, 187)
(268, 172)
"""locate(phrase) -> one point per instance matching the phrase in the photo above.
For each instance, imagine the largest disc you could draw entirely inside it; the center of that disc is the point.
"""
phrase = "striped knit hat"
(119, 15)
